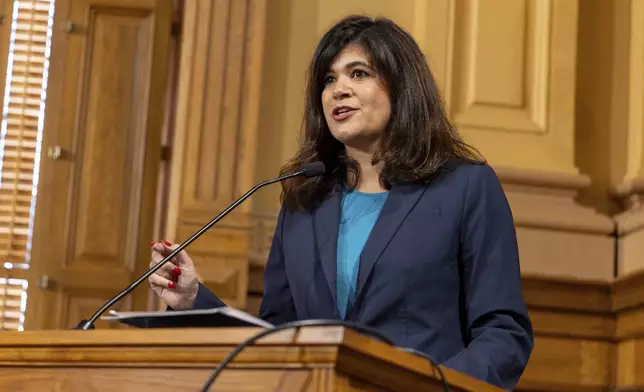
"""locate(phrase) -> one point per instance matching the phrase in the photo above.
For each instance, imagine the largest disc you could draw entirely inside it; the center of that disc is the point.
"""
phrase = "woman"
(408, 231)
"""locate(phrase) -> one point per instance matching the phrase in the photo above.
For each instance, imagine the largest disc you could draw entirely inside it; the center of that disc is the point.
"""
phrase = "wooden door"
(101, 151)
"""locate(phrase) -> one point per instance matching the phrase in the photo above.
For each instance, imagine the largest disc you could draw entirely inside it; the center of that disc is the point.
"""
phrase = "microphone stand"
(89, 323)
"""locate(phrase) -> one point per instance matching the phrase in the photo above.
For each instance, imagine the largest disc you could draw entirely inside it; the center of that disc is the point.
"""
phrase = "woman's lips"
(343, 113)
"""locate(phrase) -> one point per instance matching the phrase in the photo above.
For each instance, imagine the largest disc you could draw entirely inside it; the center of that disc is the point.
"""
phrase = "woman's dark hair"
(419, 139)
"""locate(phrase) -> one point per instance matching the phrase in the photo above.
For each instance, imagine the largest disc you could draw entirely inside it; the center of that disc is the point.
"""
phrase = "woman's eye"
(328, 80)
(358, 73)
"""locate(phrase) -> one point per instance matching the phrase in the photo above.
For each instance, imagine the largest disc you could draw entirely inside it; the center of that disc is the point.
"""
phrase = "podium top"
(342, 349)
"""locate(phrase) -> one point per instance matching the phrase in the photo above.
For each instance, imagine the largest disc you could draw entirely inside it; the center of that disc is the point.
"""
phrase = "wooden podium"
(313, 359)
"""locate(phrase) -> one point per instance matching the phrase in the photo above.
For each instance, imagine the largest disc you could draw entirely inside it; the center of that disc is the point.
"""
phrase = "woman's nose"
(342, 90)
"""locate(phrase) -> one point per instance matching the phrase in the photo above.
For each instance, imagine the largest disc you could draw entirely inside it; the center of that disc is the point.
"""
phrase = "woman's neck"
(369, 179)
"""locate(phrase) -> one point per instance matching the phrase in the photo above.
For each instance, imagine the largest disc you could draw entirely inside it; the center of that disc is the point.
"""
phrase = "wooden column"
(216, 137)
(609, 119)
(628, 135)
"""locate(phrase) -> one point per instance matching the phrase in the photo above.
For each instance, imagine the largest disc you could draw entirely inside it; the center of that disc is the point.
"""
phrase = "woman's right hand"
(176, 282)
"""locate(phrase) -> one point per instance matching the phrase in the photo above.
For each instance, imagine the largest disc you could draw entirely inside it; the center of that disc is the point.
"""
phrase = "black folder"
(200, 318)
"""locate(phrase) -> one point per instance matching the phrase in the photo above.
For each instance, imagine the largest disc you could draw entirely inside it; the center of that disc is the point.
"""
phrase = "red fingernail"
(167, 243)
(176, 271)
(152, 243)
(172, 285)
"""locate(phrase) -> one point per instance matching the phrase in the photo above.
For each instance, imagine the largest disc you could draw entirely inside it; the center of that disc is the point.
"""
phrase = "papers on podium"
(204, 318)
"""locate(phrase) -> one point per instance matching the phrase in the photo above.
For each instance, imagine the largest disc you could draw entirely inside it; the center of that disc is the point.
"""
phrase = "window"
(20, 143)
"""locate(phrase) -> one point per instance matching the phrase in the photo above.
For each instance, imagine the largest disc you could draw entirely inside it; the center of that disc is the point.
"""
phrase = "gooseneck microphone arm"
(308, 170)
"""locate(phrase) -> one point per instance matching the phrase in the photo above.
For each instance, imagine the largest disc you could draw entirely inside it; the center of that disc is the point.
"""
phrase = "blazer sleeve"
(277, 305)
(206, 299)
(498, 330)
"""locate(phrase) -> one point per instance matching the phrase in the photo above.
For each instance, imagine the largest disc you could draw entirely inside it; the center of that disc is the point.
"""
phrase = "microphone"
(308, 170)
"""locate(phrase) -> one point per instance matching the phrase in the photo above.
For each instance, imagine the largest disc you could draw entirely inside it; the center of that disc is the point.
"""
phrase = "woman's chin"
(357, 140)
(342, 133)
(349, 138)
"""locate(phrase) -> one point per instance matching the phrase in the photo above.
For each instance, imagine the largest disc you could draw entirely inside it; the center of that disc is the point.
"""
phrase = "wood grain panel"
(568, 294)
(508, 62)
(216, 125)
(76, 304)
(574, 334)
(630, 365)
(223, 274)
(363, 365)
(105, 104)
(561, 362)
(507, 71)
(627, 291)
(263, 228)
(628, 303)
(501, 64)
(588, 334)
(573, 325)
(630, 323)
(108, 178)
(219, 138)
(153, 380)
(221, 257)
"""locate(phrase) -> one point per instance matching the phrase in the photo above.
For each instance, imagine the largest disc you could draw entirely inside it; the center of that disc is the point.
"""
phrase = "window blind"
(20, 142)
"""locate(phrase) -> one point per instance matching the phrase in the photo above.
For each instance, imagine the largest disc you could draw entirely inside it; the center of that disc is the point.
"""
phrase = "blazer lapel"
(327, 227)
(400, 201)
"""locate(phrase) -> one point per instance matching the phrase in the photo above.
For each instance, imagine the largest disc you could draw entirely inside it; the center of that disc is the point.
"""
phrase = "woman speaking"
(408, 231)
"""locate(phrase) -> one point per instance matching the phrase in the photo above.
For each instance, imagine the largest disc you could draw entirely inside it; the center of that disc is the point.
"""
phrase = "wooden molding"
(546, 200)
(629, 221)
(542, 179)
(629, 194)
(558, 236)
(628, 188)
(630, 229)
(567, 294)
(628, 292)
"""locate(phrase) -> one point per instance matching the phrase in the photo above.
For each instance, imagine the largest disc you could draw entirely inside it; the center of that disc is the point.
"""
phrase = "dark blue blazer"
(439, 273)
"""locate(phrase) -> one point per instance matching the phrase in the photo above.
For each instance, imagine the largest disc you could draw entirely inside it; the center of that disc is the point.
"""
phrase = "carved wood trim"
(628, 292)
(567, 294)
(216, 126)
